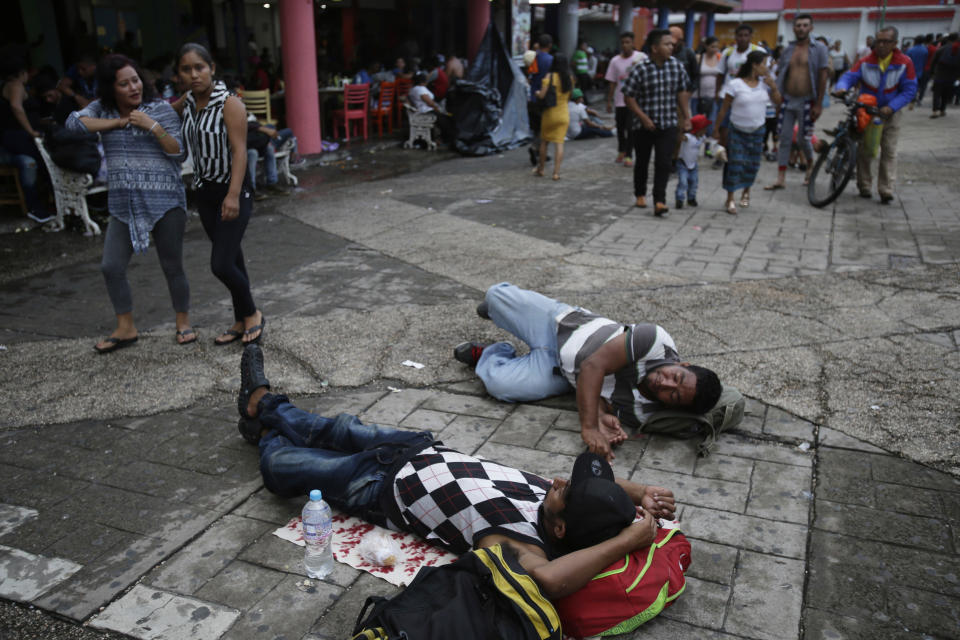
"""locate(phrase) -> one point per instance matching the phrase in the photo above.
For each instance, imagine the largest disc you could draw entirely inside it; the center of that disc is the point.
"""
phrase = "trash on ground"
(804, 446)
(875, 407)
(393, 390)
(483, 201)
(411, 363)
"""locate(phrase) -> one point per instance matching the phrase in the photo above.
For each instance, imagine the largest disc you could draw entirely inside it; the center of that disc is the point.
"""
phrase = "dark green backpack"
(726, 414)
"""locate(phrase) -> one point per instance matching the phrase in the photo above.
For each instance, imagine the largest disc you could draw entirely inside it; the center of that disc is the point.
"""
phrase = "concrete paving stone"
(230, 464)
(703, 604)
(394, 407)
(670, 454)
(85, 542)
(269, 507)
(27, 450)
(897, 470)
(740, 447)
(545, 464)
(689, 489)
(36, 535)
(782, 424)
(27, 488)
(750, 425)
(204, 557)
(468, 405)
(98, 583)
(925, 612)
(25, 576)
(274, 553)
(746, 532)
(525, 426)
(472, 387)
(568, 420)
(339, 619)
(164, 481)
(287, 611)
(335, 402)
(150, 614)
(883, 526)
(428, 420)
(780, 492)
(847, 490)
(910, 500)
(711, 562)
(240, 585)
(664, 627)
(825, 625)
(561, 441)
(12, 516)
(827, 437)
(467, 433)
(835, 464)
(767, 597)
(722, 467)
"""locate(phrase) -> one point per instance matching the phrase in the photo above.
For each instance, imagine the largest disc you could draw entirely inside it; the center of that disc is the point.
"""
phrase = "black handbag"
(73, 150)
(550, 100)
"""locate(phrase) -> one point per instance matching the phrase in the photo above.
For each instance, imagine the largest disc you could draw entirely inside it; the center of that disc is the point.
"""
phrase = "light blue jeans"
(687, 182)
(531, 317)
(269, 165)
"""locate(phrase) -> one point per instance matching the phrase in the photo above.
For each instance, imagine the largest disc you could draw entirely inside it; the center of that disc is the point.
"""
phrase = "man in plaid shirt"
(653, 91)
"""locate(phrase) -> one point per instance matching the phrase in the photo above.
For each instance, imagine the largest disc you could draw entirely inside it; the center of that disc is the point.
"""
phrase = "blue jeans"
(687, 181)
(344, 458)
(531, 317)
(269, 165)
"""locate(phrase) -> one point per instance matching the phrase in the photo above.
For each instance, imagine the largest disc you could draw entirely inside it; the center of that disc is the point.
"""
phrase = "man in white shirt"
(617, 72)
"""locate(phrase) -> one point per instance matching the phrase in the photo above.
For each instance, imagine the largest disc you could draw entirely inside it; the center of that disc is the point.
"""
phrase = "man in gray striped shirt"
(621, 372)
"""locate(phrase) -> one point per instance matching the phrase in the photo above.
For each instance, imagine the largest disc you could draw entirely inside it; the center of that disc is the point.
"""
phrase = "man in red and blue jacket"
(888, 74)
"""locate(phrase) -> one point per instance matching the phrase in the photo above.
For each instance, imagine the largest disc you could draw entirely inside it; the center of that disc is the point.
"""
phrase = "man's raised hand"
(659, 502)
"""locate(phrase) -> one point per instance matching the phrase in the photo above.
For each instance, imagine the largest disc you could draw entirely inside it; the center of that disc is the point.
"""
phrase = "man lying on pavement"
(563, 532)
(621, 372)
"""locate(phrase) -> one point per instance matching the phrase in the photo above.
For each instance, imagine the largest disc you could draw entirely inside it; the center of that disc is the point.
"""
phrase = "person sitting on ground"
(621, 372)
(581, 126)
(422, 100)
(263, 141)
(563, 532)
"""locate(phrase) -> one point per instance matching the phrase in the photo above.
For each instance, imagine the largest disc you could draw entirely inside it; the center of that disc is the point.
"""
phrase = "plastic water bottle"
(872, 136)
(317, 536)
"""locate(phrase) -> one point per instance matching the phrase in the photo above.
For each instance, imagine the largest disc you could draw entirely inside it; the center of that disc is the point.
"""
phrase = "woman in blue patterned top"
(143, 146)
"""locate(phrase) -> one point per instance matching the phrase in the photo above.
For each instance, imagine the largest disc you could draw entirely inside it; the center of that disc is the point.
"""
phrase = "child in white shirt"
(687, 161)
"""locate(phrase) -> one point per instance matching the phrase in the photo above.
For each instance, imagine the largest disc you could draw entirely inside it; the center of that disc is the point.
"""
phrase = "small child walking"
(687, 159)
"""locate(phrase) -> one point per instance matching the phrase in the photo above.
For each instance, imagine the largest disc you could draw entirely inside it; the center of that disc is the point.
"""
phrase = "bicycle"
(837, 163)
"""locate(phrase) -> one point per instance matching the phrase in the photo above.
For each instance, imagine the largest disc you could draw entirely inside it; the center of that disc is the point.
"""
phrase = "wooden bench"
(71, 188)
(421, 127)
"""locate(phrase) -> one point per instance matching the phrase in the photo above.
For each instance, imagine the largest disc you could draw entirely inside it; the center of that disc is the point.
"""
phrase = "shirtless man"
(802, 81)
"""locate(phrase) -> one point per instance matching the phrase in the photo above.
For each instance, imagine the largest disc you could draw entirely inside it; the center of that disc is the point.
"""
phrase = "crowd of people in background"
(738, 104)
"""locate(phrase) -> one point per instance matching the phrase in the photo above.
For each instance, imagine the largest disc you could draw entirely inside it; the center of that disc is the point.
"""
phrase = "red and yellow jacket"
(894, 88)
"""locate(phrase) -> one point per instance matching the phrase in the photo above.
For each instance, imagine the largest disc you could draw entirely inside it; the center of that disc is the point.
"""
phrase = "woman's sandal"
(731, 208)
(254, 329)
(114, 344)
(183, 334)
(234, 336)
(556, 176)
(538, 172)
(745, 200)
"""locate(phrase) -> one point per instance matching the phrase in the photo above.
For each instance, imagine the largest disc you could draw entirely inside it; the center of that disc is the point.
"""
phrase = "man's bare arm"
(609, 358)
(657, 500)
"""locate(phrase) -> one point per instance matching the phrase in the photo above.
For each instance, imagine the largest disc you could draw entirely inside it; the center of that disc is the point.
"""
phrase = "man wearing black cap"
(563, 532)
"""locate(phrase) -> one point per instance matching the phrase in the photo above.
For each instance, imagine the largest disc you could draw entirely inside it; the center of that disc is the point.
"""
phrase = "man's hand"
(815, 110)
(642, 533)
(685, 124)
(886, 113)
(647, 123)
(597, 443)
(659, 502)
(610, 428)
(839, 93)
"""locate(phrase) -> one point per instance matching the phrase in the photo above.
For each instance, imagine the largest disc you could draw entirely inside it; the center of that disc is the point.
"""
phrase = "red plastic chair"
(403, 88)
(356, 99)
(384, 108)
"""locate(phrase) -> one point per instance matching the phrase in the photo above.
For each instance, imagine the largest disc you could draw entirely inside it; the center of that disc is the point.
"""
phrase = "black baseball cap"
(597, 508)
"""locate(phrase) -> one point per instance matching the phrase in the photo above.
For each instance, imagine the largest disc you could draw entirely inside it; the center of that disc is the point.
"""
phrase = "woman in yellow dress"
(556, 119)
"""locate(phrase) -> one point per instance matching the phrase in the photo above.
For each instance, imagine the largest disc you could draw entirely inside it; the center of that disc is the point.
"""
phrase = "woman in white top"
(709, 64)
(746, 99)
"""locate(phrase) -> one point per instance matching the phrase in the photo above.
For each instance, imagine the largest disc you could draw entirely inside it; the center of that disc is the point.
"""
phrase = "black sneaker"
(250, 429)
(678, 204)
(469, 352)
(886, 198)
(692, 202)
(252, 377)
(483, 311)
(534, 156)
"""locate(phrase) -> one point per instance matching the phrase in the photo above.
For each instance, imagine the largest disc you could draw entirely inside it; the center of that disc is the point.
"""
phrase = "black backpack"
(74, 150)
(484, 595)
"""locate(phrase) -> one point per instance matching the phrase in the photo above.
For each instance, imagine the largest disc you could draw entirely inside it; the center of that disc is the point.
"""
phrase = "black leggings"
(660, 142)
(226, 257)
(624, 131)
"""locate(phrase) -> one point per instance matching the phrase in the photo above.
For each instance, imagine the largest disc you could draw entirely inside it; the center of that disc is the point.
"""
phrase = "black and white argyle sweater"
(454, 499)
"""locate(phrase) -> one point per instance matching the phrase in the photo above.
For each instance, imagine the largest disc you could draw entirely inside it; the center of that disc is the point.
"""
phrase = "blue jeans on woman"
(532, 317)
(344, 458)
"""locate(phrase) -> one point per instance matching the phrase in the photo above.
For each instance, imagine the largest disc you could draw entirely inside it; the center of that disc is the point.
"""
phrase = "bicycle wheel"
(832, 172)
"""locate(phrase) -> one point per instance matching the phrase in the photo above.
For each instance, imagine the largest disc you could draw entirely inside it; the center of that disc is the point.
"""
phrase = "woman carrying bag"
(556, 114)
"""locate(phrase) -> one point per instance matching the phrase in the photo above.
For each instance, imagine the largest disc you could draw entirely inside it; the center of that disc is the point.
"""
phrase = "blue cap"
(316, 495)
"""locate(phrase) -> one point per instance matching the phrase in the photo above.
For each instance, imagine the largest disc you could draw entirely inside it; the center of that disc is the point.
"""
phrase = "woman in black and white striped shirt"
(215, 130)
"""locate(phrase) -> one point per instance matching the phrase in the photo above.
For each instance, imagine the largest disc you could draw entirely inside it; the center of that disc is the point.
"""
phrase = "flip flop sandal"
(234, 336)
(183, 334)
(774, 187)
(257, 327)
(115, 343)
